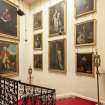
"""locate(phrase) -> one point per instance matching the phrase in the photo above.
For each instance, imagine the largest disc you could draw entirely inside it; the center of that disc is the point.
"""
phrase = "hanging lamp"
(19, 11)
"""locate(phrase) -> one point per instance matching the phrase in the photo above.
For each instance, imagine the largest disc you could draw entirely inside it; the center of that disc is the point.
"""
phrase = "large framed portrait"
(57, 56)
(85, 33)
(84, 7)
(37, 21)
(38, 61)
(84, 63)
(57, 19)
(9, 58)
(38, 41)
(9, 21)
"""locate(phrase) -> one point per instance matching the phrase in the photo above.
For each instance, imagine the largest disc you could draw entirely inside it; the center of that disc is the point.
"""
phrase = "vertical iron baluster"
(17, 83)
(0, 90)
(4, 92)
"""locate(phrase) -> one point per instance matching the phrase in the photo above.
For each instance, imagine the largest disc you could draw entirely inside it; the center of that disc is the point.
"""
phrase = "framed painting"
(84, 7)
(85, 33)
(57, 19)
(9, 21)
(84, 63)
(9, 58)
(57, 56)
(37, 21)
(38, 41)
(38, 61)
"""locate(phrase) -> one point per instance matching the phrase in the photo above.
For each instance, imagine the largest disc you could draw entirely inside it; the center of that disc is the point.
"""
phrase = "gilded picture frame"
(37, 41)
(9, 20)
(9, 58)
(57, 56)
(58, 19)
(38, 62)
(85, 63)
(37, 21)
(85, 33)
(85, 7)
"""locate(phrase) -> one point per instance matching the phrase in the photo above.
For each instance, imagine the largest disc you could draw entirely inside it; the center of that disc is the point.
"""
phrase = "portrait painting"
(57, 55)
(37, 21)
(38, 62)
(8, 20)
(84, 7)
(85, 33)
(8, 58)
(84, 63)
(57, 21)
(38, 41)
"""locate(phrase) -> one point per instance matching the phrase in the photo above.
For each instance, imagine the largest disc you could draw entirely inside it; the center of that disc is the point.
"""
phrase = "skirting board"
(78, 95)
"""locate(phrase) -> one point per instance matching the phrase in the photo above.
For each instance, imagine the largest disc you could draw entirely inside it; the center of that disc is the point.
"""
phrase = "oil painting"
(57, 55)
(57, 21)
(8, 58)
(38, 62)
(37, 21)
(85, 33)
(84, 7)
(38, 41)
(84, 63)
(9, 24)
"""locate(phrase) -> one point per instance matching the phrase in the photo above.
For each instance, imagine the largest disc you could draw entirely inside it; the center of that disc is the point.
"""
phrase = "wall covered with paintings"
(54, 50)
(13, 40)
(9, 39)
(69, 78)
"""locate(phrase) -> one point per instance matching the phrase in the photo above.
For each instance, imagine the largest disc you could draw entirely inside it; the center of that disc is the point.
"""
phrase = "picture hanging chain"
(25, 28)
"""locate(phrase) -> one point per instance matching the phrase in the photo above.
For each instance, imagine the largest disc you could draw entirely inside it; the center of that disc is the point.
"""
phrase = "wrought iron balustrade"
(13, 92)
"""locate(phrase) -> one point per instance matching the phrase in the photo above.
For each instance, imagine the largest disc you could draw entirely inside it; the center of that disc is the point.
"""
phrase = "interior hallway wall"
(24, 46)
(65, 84)
(70, 82)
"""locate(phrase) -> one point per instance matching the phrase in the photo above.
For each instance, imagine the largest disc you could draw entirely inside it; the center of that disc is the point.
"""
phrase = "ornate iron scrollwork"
(13, 92)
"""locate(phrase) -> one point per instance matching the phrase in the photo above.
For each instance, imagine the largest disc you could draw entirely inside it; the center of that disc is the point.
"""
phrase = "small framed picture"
(84, 7)
(57, 56)
(38, 41)
(38, 61)
(9, 58)
(37, 21)
(84, 63)
(85, 33)
(57, 19)
(9, 20)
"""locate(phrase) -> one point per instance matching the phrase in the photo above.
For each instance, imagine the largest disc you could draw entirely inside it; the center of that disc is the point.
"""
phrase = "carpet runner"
(64, 101)
(74, 101)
